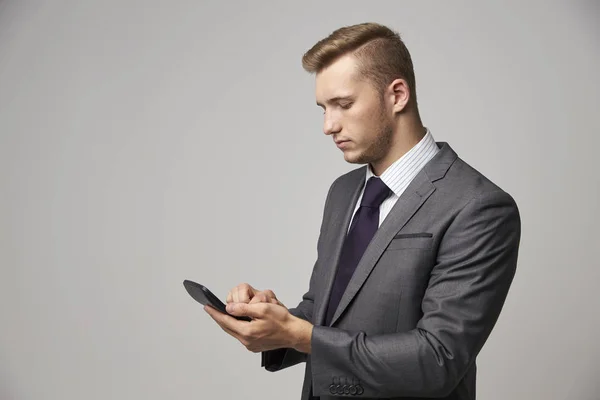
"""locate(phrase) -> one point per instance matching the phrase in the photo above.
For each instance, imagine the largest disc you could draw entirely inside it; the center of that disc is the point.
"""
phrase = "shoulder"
(465, 184)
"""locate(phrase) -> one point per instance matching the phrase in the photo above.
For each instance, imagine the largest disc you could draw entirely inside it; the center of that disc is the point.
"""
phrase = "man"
(416, 253)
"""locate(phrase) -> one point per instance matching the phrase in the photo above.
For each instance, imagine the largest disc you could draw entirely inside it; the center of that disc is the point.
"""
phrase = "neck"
(408, 132)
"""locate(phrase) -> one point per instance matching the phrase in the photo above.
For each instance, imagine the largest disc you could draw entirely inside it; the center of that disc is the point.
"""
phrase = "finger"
(231, 332)
(224, 320)
(229, 297)
(216, 316)
(270, 294)
(240, 293)
(259, 297)
(252, 291)
(214, 313)
(273, 298)
(230, 325)
(245, 293)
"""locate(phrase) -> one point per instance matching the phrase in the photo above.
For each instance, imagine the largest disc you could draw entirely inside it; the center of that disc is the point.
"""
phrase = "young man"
(416, 253)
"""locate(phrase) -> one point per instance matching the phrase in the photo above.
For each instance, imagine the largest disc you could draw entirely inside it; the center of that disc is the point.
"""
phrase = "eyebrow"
(335, 100)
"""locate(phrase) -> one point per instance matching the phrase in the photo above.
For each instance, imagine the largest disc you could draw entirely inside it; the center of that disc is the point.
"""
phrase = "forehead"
(338, 79)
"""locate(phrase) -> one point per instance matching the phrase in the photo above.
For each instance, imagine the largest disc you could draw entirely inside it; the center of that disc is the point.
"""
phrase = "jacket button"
(332, 389)
(346, 389)
(359, 390)
(352, 390)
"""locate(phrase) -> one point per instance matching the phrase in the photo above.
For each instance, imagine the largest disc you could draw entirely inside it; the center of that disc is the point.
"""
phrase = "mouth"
(341, 143)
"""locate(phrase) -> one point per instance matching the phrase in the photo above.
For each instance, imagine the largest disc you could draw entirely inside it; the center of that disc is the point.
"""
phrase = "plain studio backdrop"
(143, 143)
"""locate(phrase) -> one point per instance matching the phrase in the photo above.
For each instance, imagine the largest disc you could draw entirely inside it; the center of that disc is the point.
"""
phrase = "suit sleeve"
(475, 266)
(275, 360)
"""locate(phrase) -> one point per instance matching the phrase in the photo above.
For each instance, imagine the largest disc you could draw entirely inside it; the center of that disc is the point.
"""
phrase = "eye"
(345, 106)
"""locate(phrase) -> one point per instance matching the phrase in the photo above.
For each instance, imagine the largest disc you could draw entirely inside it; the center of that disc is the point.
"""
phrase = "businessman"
(416, 252)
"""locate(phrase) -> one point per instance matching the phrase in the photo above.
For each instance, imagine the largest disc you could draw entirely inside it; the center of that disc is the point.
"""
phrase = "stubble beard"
(377, 150)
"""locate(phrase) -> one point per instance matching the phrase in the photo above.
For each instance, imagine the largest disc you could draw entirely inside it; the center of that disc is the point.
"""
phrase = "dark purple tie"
(363, 228)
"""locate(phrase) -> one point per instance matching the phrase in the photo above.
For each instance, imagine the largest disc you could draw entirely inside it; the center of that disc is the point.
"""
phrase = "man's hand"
(244, 293)
(272, 326)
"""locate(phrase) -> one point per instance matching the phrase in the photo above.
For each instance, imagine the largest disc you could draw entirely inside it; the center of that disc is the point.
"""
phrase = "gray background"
(143, 143)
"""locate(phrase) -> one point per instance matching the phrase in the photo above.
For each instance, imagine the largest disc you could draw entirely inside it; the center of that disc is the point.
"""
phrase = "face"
(355, 114)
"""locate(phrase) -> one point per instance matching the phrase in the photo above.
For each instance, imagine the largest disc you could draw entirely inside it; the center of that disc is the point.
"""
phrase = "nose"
(331, 125)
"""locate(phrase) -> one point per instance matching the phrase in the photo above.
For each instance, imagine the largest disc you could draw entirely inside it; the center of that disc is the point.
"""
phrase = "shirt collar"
(398, 175)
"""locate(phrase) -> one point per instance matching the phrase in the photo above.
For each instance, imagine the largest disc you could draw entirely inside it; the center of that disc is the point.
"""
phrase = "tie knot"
(375, 193)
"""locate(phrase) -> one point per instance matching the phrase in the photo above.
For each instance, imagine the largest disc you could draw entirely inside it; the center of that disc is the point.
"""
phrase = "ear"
(400, 93)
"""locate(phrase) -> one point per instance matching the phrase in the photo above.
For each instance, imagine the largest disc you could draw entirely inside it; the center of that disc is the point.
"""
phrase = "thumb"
(256, 310)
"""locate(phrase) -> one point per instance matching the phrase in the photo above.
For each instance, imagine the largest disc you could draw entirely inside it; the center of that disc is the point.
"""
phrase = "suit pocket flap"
(411, 241)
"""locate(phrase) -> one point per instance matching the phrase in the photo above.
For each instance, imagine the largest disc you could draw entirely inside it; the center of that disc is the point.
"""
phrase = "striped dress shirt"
(399, 175)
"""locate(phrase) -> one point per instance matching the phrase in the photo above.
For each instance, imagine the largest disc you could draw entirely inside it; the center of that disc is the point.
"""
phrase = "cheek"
(358, 124)
(367, 117)
(364, 128)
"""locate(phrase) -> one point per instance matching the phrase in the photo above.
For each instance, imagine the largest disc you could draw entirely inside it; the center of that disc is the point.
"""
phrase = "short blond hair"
(381, 54)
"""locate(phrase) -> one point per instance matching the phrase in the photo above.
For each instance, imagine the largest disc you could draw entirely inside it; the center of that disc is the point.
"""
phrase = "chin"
(354, 158)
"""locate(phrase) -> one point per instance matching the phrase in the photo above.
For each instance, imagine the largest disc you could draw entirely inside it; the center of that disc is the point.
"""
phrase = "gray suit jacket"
(425, 295)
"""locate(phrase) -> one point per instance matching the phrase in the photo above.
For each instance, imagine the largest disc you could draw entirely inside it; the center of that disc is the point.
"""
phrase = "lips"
(341, 143)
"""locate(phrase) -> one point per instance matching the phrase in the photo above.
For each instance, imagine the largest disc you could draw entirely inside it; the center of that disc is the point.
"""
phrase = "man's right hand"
(244, 293)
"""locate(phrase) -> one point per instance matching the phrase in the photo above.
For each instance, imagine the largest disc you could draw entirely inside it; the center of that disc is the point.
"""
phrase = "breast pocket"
(411, 241)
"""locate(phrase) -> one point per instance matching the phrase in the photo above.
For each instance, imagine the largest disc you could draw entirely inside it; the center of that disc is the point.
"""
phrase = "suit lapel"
(417, 192)
(338, 226)
(406, 206)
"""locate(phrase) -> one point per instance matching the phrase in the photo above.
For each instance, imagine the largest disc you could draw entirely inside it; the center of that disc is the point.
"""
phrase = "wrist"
(300, 335)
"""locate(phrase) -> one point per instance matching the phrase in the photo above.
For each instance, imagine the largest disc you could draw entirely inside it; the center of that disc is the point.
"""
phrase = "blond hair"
(381, 54)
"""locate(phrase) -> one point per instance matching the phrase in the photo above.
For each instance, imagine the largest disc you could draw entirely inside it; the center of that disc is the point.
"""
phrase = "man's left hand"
(272, 326)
